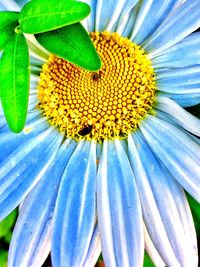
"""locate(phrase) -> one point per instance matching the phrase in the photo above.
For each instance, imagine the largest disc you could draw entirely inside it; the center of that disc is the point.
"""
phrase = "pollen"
(106, 104)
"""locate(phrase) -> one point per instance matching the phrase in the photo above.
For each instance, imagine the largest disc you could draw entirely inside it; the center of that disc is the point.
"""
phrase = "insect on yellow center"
(106, 104)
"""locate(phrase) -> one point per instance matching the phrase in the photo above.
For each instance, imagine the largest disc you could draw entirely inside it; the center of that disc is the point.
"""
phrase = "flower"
(121, 187)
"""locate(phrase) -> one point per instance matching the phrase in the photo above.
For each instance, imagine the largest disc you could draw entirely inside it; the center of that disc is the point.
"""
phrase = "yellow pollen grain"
(103, 105)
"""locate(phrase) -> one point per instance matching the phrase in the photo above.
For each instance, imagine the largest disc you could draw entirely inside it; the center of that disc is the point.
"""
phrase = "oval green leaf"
(8, 22)
(195, 208)
(41, 16)
(14, 82)
(73, 44)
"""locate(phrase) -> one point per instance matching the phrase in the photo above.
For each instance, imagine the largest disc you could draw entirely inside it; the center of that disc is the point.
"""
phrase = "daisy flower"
(105, 157)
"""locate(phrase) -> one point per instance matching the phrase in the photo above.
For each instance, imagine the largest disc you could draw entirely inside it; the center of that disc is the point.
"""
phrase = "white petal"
(180, 115)
(119, 211)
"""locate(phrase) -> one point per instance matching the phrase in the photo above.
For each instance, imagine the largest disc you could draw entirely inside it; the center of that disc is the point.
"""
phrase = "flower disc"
(102, 105)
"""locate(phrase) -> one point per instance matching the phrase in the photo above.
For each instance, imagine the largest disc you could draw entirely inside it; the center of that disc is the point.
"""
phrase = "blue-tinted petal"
(185, 100)
(33, 101)
(143, 8)
(23, 169)
(109, 13)
(152, 251)
(150, 209)
(119, 212)
(183, 21)
(178, 152)
(10, 5)
(182, 85)
(94, 249)
(10, 142)
(157, 189)
(90, 20)
(30, 241)
(155, 14)
(104, 12)
(126, 26)
(184, 88)
(21, 3)
(196, 139)
(179, 115)
(127, 18)
(178, 79)
(75, 212)
(183, 54)
(177, 123)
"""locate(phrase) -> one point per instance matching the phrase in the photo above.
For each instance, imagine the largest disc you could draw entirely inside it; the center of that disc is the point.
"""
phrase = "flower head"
(103, 160)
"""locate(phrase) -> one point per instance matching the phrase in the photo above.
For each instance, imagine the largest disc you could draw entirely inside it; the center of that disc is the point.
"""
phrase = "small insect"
(86, 130)
(96, 76)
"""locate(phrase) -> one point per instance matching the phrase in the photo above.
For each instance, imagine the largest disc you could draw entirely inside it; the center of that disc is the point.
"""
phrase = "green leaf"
(147, 261)
(195, 208)
(44, 15)
(3, 258)
(8, 237)
(195, 110)
(7, 224)
(8, 22)
(14, 82)
(73, 44)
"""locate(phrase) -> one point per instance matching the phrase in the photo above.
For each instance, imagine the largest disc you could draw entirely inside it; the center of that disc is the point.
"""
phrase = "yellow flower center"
(103, 105)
